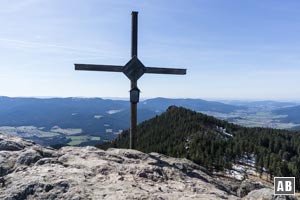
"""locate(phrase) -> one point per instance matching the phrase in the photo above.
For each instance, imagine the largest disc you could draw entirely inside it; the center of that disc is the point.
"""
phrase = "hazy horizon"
(146, 98)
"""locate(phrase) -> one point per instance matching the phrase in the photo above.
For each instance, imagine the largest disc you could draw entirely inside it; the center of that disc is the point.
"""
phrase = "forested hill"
(216, 144)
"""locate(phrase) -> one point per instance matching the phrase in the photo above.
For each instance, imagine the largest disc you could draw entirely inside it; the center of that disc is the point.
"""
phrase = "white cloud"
(79, 52)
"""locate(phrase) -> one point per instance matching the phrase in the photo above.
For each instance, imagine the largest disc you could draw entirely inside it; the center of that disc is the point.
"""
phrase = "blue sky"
(233, 49)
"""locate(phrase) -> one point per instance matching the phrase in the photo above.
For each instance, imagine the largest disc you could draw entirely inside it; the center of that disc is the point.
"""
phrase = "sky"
(233, 49)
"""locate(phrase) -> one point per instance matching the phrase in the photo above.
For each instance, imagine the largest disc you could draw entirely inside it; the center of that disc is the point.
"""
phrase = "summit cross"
(134, 70)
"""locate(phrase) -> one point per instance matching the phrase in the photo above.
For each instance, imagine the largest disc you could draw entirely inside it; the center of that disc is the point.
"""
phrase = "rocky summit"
(30, 171)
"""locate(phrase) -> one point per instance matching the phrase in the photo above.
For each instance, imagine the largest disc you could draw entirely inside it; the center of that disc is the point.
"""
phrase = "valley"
(88, 121)
(255, 118)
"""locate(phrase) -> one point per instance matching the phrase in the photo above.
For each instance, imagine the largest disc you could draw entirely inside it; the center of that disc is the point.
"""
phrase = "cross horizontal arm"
(107, 68)
(159, 70)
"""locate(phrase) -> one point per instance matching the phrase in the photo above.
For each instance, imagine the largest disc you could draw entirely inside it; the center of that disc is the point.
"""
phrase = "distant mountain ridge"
(68, 112)
(194, 104)
(293, 114)
(99, 117)
(50, 121)
(261, 104)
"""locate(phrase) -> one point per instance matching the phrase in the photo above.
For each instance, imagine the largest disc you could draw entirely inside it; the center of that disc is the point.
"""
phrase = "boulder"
(10, 143)
(266, 194)
(248, 186)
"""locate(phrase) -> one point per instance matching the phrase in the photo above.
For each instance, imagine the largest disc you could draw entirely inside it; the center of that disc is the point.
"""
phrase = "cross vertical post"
(133, 106)
(134, 33)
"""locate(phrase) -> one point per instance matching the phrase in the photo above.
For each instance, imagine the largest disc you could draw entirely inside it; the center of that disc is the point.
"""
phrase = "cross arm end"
(159, 70)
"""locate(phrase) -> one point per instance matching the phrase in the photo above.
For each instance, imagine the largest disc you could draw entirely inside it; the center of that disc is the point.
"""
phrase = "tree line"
(216, 144)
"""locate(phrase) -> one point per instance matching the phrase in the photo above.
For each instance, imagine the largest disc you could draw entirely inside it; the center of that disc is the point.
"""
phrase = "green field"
(77, 140)
(47, 134)
(254, 118)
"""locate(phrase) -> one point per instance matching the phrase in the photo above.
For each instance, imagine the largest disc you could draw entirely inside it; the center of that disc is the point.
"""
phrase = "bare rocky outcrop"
(266, 193)
(251, 190)
(30, 171)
